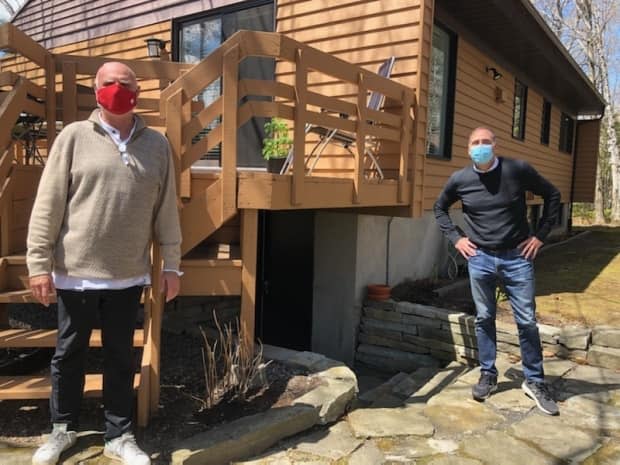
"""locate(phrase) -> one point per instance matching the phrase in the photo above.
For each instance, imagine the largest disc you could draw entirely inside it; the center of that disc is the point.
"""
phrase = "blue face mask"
(481, 154)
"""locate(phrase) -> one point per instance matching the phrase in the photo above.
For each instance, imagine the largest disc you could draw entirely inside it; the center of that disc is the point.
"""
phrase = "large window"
(567, 129)
(545, 124)
(519, 110)
(441, 93)
(197, 36)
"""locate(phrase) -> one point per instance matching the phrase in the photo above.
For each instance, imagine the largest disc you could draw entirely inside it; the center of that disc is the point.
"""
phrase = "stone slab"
(607, 357)
(405, 345)
(574, 337)
(548, 334)
(389, 304)
(453, 460)
(402, 327)
(330, 399)
(245, 437)
(368, 454)
(443, 378)
(497, 447)
(607, 336)
(407, 449)
(582, 412)
(608, 454)
(16, 455)
(398, 358)
(555, 437)
(385, 315)
(444, 335)
(371, 395)
(334, 443)
(405, 421)
(512, 399)
(594, 383)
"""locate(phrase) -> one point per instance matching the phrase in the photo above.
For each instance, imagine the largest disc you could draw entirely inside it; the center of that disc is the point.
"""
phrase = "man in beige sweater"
(106, 191)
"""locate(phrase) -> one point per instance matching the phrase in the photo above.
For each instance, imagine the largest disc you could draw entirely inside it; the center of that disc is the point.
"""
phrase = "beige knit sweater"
(94, 216)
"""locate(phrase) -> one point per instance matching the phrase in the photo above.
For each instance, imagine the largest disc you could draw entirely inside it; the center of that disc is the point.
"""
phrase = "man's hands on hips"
(42, 288)
(530, 247)
(466, 247)
(170, 284)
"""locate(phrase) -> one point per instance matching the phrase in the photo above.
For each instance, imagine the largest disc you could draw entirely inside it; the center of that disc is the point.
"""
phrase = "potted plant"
(276, 144)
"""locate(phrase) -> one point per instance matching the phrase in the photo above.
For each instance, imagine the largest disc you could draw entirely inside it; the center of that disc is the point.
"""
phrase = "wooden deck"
(223, 202)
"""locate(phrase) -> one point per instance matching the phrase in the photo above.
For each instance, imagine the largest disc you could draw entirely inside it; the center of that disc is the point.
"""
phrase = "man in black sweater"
(498, 247)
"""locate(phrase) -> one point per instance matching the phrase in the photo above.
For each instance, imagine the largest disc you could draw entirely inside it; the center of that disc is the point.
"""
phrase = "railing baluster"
(299, 134)
(69, 92)
(174, 131)
(230, 78)
(405, 141)
(50, 100)
(360, 143)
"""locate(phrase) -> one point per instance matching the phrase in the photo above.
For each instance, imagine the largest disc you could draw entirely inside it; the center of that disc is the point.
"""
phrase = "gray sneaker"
(59, 441)
(541, 394)
(487, 384)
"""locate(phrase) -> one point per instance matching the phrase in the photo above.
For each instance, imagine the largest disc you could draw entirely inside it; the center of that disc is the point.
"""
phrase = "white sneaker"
(125, 449)
(59, 441)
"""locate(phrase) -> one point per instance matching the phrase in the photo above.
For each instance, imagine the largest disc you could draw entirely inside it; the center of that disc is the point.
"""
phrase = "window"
(519, 110)
(567, 128)
(545, 123)
(197, 36)
(441, 93)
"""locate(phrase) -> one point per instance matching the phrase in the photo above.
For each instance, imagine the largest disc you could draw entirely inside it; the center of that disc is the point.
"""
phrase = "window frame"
(545, 123)
(448, 127)
(566, 144)
(522, 118)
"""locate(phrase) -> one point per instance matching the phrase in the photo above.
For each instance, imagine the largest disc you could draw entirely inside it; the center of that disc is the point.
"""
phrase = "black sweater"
(494, 204)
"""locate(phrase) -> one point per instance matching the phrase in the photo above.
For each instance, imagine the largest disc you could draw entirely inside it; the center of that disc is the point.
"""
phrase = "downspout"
(569, 220)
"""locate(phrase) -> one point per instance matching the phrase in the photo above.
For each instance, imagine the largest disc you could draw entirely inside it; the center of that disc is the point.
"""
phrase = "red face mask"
(116, 98)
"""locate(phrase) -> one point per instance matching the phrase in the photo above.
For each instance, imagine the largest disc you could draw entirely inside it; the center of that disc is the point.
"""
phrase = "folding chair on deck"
(345, 139)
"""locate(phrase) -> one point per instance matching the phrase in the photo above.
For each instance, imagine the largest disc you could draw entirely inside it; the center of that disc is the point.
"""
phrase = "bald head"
(112, 72)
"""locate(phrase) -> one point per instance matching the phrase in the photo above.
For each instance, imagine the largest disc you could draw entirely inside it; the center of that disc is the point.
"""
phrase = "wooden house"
(309, 240)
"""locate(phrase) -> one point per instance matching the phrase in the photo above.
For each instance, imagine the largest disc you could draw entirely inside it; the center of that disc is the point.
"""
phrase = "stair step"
(40, 387)
(20, 297)
(47, 338)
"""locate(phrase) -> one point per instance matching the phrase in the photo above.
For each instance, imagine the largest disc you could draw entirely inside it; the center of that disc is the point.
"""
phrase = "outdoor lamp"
(496, 74)
(155, 47)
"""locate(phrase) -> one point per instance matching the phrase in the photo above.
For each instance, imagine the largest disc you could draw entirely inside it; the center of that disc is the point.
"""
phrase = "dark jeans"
(516, 273)
(77, 314)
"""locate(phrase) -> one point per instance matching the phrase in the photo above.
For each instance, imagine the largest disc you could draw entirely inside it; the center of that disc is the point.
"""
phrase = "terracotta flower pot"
(378, 292)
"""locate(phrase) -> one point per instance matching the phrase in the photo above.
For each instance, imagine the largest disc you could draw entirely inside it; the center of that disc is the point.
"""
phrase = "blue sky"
(4, 14)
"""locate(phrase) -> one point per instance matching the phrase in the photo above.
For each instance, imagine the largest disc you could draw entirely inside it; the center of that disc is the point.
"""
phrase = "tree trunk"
(599, 208)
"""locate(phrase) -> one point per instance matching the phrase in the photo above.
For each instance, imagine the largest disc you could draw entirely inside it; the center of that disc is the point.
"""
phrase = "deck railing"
(295, 101)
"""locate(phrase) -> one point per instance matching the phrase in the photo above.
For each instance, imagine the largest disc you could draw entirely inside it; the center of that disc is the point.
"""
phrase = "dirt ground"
(577, 283)
(181, 413)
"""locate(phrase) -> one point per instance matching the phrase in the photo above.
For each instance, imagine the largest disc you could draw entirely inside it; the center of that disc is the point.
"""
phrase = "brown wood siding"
(60, 22)
(475, 105)
(366, 33)
(587, 157)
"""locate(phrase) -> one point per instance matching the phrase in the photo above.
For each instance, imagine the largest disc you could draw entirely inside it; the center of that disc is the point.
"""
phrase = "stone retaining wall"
(402, 336)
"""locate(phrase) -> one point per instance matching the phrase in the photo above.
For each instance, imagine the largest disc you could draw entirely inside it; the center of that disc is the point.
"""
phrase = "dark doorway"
(286, 270)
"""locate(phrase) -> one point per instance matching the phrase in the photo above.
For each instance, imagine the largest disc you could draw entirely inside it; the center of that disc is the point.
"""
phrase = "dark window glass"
(519, 110)
(199, 35)
(545, 123)
(441, 93)
(567, 128)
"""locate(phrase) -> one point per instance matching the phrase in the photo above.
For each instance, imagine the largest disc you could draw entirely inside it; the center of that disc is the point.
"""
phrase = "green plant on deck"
(277, 142)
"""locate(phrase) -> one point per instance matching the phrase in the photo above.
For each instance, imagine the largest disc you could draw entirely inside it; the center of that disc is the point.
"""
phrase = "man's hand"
(170, 284)
(466, 247)
(530, 247)
(42, 288)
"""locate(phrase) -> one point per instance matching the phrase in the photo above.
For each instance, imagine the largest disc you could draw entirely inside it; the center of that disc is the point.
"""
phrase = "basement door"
(285, 278)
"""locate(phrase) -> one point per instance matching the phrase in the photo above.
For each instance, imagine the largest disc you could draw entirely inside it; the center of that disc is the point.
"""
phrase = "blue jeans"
(510, 268)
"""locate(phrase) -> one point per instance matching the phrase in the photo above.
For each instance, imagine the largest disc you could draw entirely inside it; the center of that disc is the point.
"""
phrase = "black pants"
(77, 314)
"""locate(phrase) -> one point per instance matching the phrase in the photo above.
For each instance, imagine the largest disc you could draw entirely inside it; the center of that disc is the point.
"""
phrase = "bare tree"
(588, 28)
(8, 7)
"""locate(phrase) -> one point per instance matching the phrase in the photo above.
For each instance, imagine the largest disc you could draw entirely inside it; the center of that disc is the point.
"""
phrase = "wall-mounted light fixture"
(155, 47)
(495, 74)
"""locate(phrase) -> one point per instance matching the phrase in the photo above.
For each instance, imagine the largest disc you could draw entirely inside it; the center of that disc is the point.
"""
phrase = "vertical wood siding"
(475, 105)
(587, 157)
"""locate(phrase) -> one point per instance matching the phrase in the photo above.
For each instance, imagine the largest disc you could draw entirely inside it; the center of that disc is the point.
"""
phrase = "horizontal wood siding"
(363, 32)
(476, 105)
(587, 157)
(60, 22)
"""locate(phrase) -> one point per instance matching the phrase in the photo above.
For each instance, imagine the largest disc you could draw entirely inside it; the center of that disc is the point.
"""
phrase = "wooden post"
(230, 82)
(5, 220)
(405, 143)
(249, 250)
(174, 132)
(144, 407)
(157, 308)
(50, 100)
(69, 92)
(360, 143)
(299, 132)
